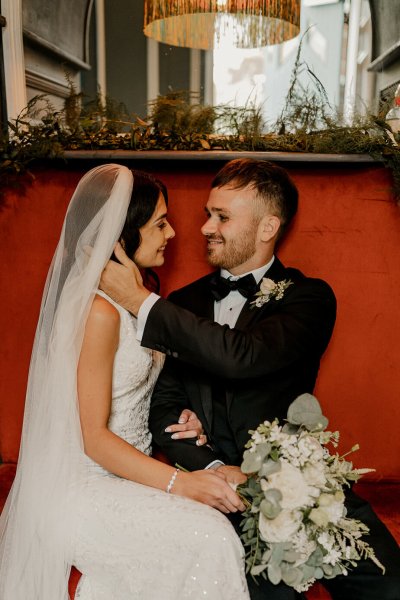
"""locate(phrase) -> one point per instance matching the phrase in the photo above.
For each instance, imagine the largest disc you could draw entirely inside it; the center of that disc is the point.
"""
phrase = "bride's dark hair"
(145, 193)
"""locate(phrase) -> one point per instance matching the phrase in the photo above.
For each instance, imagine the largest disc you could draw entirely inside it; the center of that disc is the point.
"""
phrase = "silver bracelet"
(172, 481)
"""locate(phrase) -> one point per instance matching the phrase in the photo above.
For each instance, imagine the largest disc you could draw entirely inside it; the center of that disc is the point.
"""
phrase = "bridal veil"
(36, 526)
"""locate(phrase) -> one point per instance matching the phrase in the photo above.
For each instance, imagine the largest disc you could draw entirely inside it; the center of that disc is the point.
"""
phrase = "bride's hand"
(123, 282)
(208, 487)
(188, 426)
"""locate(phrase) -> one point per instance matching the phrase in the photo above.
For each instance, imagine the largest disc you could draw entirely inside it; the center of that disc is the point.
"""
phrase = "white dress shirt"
(227, 310)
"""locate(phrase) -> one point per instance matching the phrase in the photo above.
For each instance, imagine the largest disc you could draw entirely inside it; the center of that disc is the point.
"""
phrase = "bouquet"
(295, 527)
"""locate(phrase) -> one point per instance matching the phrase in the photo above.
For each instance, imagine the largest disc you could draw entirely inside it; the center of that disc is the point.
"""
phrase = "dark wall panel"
(174, 68)
(126, 54)
(386, 24)
(60, 22)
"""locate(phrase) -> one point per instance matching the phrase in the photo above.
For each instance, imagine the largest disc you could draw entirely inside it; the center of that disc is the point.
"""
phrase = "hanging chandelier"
(206, 24)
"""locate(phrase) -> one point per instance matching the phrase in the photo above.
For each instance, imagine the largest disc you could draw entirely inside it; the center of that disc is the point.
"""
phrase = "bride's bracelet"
(172, 481)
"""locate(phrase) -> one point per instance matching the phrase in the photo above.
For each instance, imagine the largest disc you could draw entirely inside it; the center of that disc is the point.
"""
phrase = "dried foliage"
(178, 121)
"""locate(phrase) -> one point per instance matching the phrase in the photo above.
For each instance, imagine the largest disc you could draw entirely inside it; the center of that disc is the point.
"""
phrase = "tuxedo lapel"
(250, 312)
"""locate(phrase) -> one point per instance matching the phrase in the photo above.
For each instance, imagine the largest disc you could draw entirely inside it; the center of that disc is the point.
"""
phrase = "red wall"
(347, 232)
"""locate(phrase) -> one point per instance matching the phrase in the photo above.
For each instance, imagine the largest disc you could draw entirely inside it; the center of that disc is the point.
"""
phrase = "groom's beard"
(229, 254)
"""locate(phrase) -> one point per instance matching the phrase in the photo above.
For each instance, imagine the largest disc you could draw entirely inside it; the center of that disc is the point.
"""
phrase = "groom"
(237, 363)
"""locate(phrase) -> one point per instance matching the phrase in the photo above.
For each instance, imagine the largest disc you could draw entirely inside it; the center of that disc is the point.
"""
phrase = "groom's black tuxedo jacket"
(269, 358)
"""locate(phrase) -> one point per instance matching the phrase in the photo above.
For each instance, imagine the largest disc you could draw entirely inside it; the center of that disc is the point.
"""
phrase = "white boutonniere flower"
(270, 289)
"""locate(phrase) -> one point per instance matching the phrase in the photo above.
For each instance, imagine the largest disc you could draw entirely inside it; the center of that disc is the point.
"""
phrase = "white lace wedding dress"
(139, 543)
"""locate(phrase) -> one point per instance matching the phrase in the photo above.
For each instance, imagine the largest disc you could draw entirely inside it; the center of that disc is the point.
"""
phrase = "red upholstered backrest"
(347, 232)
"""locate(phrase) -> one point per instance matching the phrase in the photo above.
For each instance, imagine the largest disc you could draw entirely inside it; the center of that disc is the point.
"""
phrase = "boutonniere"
(270, 289)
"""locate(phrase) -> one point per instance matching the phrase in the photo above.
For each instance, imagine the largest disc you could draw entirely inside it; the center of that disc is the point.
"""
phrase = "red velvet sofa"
(346, 232)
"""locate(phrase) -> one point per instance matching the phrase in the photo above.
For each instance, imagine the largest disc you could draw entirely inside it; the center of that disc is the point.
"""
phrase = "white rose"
(267, 285)
(292, 485)
(330, 509)
(280, 529)
(315, 475)
(333, 506)
(319, 517)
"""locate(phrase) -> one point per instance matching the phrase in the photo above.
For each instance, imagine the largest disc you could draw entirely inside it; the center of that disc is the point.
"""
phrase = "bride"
(87, 492)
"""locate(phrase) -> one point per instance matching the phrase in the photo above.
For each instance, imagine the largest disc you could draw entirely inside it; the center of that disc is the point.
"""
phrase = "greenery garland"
(177, 122)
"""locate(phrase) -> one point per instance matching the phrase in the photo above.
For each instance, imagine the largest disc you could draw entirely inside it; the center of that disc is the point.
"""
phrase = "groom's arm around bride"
(255, 369)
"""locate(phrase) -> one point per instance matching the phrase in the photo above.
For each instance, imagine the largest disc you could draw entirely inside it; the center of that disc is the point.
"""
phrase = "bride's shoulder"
(102, 327)
(104, 311)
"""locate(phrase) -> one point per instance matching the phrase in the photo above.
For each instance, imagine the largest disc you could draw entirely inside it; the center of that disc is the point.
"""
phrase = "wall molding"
(66, 56)
(211, 155)
(46, 84)
(386, 58)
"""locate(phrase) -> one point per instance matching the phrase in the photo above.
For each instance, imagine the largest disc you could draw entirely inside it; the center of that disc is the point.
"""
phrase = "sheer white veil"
(37, 523)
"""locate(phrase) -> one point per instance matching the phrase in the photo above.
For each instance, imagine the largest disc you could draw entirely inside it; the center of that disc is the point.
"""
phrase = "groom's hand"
(123, 282)
(188, 426)
(232, 474)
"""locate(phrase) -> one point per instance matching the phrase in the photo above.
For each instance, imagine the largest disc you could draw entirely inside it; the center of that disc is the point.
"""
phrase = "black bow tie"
(221, 287)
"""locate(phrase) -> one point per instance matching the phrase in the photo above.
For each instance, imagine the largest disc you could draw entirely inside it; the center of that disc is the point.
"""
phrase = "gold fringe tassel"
(205, 23)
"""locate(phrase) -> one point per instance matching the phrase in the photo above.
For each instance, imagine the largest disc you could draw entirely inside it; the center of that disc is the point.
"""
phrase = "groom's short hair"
(272, 184)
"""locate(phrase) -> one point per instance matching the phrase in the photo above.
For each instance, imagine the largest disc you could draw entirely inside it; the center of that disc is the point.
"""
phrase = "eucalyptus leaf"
(267, 555)
(274, 454)
(270, 506)
(286, 546)
(329, 572)
(250, 536)
(277, 553)
(305, 410)
(252, 461)
(291, 576)
(319, 573)
(308, 572)
(263, 449)
(270, 509)
(291, 556)
(248, 524)
(253, 484)
(274, 573)
(316, 558)
(258, 569)
(290, 429)
(270, 467)
(273, 495)
(337, 569)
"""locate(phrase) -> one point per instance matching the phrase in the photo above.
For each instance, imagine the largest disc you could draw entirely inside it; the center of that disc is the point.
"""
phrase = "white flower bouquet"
(295, 527)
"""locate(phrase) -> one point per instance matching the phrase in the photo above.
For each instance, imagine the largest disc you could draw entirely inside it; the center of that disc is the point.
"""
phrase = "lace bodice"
(135, 372)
